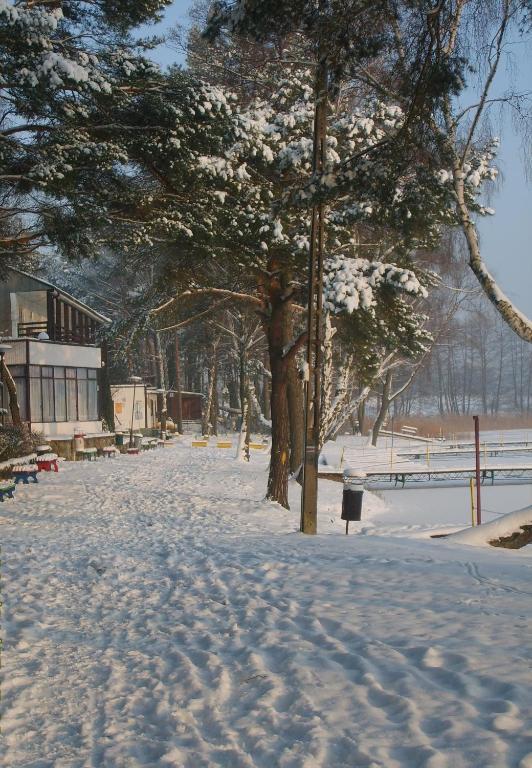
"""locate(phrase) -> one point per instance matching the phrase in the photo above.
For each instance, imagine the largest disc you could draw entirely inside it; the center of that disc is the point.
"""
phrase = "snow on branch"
(351, 283)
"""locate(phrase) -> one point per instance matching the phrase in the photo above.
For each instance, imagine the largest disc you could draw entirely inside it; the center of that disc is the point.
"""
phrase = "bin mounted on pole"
(352, 497)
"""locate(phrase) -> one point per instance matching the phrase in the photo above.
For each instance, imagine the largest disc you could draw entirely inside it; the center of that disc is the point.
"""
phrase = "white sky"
(506, 238)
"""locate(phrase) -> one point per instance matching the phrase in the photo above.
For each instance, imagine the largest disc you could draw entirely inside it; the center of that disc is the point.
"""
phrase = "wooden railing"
(64, 335)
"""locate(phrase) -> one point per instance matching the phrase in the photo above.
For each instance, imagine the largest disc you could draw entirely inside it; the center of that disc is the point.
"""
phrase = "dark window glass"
(72, 413)
(48, 400)
(92, 373)
(83, 414)
(60, 400)
(82, 373)
(17, 370)
(35, 400)
(47, 372)
(92, 400)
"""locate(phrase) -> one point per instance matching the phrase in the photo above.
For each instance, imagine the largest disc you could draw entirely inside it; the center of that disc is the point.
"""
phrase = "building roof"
(151, 390)
(67, 297)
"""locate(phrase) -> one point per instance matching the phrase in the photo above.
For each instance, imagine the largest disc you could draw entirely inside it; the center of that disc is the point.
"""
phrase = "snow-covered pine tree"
(61, 64)
(274, 132)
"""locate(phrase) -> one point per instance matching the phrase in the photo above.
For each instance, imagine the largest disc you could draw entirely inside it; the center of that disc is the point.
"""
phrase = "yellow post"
(472, 492)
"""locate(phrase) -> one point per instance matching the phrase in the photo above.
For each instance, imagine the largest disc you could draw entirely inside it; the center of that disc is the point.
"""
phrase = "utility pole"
(309, 496)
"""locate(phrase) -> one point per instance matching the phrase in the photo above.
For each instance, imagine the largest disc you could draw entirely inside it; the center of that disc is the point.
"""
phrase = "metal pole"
(477, 467)
(472, 494)
(309, 497)
(132, 416)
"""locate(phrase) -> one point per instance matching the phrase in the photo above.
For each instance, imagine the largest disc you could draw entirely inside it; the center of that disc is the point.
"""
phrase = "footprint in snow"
(100, 569)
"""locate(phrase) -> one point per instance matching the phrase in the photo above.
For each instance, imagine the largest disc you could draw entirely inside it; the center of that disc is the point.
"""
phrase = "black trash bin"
(352, 497)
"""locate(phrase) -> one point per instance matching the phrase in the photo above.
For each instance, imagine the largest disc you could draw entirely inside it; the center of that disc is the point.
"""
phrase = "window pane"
(16, 370)
(93, 399)
(35, 370)
(47, 400)
(47, 372)
(59, 372)
(35, 400)
(92, 373)
(82, 373)
(82, 400)
(60, 399)
(72, 413)
(70, 373)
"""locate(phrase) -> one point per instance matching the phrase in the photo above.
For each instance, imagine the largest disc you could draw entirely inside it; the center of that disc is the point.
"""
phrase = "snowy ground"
(158, 613)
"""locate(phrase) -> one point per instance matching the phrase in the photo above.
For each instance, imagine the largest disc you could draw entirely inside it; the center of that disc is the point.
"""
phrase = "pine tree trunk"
(296, 417)
(162, 382)
(206, 426)
(280, 451)
(10, 385)
(179, 399)
(214, 402)
(266, 392)
(279, 460)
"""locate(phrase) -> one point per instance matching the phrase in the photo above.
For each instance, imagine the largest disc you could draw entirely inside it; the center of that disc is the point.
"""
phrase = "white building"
(138, 414)
(55, 359)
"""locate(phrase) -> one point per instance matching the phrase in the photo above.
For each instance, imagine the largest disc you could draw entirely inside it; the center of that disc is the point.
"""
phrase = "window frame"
(85, 387)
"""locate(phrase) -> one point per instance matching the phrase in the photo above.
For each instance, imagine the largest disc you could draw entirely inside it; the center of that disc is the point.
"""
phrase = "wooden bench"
(200, 443)
(224, 444)
(258, 446)
(7, 488)
(23, 472)
(47, 462)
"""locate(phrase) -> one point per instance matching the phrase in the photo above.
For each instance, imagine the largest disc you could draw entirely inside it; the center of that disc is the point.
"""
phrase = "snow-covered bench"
(7, 488)
(23, 472)
(109, 451)
(47, 462)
